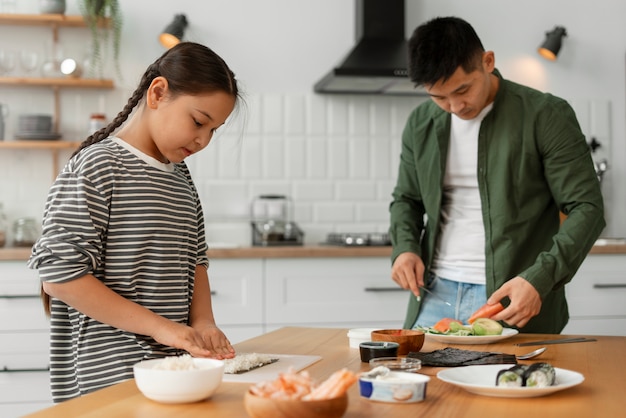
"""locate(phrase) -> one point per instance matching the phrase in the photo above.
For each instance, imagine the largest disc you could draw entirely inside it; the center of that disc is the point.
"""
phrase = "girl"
(122, 256)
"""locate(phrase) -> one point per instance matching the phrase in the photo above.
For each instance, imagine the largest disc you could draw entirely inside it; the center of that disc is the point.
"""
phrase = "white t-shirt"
(460, 253)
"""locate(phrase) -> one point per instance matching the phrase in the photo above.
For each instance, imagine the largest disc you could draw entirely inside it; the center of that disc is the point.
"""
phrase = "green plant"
(94, 11)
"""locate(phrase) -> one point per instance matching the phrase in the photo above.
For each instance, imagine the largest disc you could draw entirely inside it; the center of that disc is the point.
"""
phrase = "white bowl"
(395, 387)
(360, 335)
(179, 386)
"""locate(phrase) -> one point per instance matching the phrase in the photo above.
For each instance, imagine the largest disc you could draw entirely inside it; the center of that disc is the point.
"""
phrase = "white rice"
(184, 362)
(246, 361)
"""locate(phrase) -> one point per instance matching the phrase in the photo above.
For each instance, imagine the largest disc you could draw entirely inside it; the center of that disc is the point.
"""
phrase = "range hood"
(378, 62)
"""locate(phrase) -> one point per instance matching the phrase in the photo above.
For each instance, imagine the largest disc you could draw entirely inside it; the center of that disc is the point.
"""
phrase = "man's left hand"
(525, 302)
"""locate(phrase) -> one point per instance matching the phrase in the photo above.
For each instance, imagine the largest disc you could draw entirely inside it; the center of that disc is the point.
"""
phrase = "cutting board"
(271, 371)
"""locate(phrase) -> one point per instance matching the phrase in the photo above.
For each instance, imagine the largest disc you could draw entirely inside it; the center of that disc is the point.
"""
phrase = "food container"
(410, 340)
(181, 385)
(394, 387)
(360, 335)
(397, 364)
(377, 349)
(261, 407)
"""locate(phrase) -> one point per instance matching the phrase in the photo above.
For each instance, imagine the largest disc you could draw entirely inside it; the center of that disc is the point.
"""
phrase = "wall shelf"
(57, 82)
(54, 146)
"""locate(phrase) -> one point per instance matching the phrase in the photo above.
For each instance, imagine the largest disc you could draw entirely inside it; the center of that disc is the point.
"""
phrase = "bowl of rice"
(180, 379)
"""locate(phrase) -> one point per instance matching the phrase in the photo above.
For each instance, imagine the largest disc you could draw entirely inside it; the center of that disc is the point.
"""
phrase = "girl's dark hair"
(189, 68)
(440, 46)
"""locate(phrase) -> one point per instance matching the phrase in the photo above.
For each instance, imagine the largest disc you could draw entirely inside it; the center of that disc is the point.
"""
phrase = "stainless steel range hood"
(378, 62)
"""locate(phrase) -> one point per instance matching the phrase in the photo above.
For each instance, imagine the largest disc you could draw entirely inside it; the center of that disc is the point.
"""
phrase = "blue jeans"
(465, 298)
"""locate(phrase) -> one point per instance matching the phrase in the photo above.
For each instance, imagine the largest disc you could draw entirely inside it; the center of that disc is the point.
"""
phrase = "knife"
(561, 341)
(435, 295)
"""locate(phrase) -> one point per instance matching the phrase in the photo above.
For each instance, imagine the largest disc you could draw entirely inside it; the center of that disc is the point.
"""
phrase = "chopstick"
(561, 341)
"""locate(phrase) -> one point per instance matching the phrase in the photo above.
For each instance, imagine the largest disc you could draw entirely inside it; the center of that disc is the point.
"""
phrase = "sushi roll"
(512, 377)
(540, 375)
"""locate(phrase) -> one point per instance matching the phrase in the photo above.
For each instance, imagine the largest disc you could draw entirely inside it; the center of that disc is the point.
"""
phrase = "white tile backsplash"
(335, 156)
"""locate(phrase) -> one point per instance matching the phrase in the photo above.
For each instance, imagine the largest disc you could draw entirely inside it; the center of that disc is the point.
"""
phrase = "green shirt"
(533, 161)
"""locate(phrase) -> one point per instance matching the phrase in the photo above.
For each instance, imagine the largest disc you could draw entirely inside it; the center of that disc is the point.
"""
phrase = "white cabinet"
(24, 330)
(333, 292)
(237, 297)
(596, 296)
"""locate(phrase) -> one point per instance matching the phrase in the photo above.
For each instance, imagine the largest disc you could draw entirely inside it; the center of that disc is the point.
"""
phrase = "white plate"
(481, 380)
(471, 339)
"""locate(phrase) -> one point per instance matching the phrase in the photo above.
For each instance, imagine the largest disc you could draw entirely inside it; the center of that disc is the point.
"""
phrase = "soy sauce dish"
(381, 384)
(376, 349)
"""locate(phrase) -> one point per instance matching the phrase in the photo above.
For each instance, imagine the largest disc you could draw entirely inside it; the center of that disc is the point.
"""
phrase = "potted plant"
(93, 12)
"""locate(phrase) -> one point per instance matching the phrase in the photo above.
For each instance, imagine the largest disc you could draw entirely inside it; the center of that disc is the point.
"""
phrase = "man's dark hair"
(438, 47)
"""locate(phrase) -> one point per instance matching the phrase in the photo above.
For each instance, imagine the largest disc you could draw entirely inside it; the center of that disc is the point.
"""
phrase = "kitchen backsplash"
(335, 156)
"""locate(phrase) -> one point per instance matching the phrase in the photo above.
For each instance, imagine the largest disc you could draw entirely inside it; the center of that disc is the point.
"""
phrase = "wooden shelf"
(54, 20)
(55, 146)
(58, 82)
(38, 144)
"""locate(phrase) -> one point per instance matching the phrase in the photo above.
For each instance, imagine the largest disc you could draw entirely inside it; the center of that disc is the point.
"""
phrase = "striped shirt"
(137, 225)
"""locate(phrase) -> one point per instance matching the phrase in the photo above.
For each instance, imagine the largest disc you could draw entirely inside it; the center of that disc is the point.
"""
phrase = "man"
(486, 167)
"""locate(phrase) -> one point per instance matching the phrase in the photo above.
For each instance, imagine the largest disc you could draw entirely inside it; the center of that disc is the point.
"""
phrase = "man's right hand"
(408, 272)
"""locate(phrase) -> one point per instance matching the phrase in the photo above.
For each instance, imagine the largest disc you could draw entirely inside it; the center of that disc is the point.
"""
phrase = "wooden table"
(602, 394)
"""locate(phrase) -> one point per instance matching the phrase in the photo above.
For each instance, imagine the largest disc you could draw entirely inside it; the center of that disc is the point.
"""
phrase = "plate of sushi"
(512, 380)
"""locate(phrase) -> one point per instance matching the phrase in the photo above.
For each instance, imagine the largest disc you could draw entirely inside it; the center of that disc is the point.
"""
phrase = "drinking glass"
(7, 61)
(29, 61)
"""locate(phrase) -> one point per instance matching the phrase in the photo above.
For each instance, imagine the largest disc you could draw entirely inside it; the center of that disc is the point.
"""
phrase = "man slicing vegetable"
(486, 166)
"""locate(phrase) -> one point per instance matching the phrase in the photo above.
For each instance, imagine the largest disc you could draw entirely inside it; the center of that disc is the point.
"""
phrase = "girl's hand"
(215, 341)
(182, 337)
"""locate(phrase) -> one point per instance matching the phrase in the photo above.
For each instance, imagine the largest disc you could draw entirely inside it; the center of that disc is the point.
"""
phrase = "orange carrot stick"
(486, 311)
(443, 325)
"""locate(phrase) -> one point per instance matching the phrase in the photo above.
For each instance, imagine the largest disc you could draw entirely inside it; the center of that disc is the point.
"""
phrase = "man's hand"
(408, 272)
(525, 302)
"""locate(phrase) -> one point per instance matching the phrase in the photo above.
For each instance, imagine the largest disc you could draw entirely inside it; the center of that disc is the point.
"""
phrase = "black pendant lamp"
(551, 46)
(173, 33)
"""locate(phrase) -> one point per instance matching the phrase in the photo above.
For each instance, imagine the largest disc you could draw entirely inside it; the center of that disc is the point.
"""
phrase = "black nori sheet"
(452, 357)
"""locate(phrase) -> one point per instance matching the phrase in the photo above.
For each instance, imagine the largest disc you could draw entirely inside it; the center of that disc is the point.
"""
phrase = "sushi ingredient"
(486, 326)
(183, 362)
(540, 375)
(244, 362)
(537, 375)
(292, 385)
(486, 311)
(443, 325)
(513, 377)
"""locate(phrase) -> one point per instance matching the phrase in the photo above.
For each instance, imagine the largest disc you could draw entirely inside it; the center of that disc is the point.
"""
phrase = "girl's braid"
(151, 73)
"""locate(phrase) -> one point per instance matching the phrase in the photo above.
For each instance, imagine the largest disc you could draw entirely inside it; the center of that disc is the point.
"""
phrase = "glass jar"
(97, 121)
(25, 232)
(3, 226)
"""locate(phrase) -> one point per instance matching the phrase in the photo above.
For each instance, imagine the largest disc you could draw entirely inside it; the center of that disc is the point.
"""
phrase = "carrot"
(444, 324)
(486, 311)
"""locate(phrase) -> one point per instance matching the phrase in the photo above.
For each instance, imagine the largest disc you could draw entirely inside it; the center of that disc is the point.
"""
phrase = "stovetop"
(358, 239)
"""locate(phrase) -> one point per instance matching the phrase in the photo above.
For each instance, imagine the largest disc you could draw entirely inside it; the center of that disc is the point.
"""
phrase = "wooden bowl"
(410, 340)
(260, 407)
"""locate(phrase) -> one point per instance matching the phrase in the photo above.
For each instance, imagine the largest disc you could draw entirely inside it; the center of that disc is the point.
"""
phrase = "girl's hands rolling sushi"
(525, 302)
(189, 339)
(215, 340)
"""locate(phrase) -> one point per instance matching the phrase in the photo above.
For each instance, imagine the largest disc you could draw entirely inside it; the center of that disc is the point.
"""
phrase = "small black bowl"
(376, 349)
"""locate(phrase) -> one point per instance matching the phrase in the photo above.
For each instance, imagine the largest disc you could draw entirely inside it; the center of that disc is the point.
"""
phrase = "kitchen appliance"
(272, 222)
(378, 62)
(358, 239)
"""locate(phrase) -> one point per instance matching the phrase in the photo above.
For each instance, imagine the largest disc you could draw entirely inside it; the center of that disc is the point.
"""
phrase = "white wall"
(335, 155)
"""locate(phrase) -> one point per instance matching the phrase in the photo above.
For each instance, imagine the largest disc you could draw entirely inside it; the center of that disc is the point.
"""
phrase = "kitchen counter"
(308, 251)
(600, 394)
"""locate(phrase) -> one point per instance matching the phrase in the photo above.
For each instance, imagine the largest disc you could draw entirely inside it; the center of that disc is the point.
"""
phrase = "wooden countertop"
(601, 394)
(306, 251)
